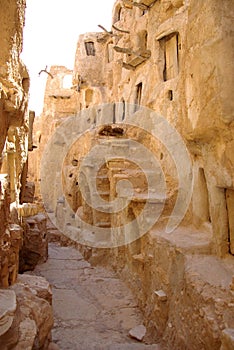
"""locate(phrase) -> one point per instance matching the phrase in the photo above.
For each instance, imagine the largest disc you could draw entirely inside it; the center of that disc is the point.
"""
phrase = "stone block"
(38, 286)
(35, 243)
(7, 309)
(138, 332)
(32, 320)
(29, 191)
(161, 295)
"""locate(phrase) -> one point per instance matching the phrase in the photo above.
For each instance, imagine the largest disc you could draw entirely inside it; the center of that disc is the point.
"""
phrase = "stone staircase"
(113, 160)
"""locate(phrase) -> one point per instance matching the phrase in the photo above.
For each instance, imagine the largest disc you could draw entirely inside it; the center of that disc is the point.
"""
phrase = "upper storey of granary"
(92, 59)
(59, 97)
(176, 58)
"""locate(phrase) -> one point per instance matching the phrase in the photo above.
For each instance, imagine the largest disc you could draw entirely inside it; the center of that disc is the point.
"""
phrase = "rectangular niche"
(110, 52)
(88, 97)
(138, 96)
(171, 47)
(90, 48)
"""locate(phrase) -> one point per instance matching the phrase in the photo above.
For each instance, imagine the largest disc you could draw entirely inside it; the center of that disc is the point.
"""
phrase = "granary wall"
(175, 58)
(14, 126)
(162, 59)
(19, 304)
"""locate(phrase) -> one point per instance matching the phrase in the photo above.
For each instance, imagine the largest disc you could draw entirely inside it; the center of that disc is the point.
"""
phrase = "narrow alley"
(93, 309)
(116, 175)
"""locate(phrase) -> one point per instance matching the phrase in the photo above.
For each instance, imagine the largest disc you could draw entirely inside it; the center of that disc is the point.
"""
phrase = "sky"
(51, 32)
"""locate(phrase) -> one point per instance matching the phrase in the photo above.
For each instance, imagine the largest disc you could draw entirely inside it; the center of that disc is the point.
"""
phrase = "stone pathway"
(93, 309)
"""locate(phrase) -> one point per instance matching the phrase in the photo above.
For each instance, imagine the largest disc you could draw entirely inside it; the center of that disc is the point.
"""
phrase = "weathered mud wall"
(60, 101)
(175, 58)
(14, 82)
(25, 302)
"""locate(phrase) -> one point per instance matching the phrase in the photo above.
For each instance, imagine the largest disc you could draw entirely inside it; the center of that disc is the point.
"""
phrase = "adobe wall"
(193, 97)
(176, 59)
(14, 81)
(60, 101)
(22, 325)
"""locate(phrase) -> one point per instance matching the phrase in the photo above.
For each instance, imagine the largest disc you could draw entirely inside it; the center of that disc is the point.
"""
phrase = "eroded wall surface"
(60, 101)
(14, 82)
(176, 59)
(25, 302)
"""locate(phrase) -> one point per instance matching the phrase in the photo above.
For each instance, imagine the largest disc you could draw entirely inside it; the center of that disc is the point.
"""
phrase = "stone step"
(150, 198)
(105, 194)
(104, 208)
(102, 177)
(139, 172)
(118, 163)
(101, 180)
(139, 180)
(111, 142)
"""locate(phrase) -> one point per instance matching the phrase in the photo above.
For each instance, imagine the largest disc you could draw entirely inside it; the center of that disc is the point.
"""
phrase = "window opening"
(90, 48)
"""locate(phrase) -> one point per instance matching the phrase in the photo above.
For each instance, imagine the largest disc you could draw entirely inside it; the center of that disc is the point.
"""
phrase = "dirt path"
(93, 309)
